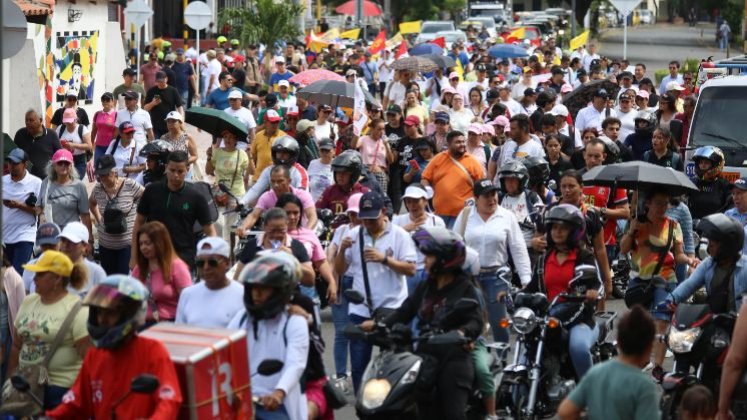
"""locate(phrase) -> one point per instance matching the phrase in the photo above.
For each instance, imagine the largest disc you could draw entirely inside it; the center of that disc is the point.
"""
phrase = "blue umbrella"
(426, 48)
(507, 51)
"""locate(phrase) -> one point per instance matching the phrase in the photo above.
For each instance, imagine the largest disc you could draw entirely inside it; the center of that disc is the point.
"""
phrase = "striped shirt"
(126, 200)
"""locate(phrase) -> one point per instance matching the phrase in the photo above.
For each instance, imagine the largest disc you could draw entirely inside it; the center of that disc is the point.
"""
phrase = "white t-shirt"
(214, 68)
(139, 118)
(287, 102)
(385, 71)
(126, 155)
(322, 130)
(434, 97)
(19, 226)
(460, 120)
(402, 220)
(518, 206)
(510, 151)
(244, 115)
(320, 177)
(628, 123)
(202, 307)
(396, 94)
(513, 106)
(73, 137)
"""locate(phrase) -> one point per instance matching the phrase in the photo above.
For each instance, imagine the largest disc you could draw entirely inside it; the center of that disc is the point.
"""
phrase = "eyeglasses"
(62, 163)
(212, 262)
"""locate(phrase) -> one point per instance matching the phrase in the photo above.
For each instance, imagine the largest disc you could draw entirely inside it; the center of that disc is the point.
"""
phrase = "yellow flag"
(519, 33)
(330, 36)
(579, 41)
(351, 34)
(410, 27)
(459, 69)
(394, 41)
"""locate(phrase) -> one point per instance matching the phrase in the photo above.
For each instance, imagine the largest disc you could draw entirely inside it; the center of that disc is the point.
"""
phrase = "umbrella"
(507, 51)
(416, 64)
(214, 121)
(369, 8)
(308, 77)
(639, 175)
(427, 48)
(442, 61)
(334, 94)
(580, 97)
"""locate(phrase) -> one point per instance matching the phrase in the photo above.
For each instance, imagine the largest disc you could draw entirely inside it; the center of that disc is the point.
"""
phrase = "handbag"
(642, 293)
(21, 404)
(222, 199)
(115, 220)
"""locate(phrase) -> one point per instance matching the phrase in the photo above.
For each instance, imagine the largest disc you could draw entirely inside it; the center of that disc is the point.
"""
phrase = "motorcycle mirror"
(20, 383)
(270, 367)
(325, 215)
(144, 384)
(223, 187)
(354, 296)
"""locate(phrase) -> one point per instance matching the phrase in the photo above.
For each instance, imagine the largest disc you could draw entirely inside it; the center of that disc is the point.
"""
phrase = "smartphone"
(156, 97)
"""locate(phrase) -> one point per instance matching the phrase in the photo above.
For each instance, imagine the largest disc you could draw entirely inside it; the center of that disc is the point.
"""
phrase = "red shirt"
(106, 375)
(599, 197)
(336, 199)
(557, 276)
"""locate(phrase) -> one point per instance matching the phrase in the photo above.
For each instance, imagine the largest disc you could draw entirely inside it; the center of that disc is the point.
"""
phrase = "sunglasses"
(212, 262)
(62, 163)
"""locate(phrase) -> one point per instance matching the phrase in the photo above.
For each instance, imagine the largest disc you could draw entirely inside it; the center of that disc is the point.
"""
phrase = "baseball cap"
(556, 70)
(213, 245)
(174, 115)
(475, 128)
(453, 75)
(62, 155)
(371, 205)
(272, 115)
(71, 94)
(442, 116)
(483, 186)
(47, 234)
(279, 60)
(351, 72)
(69, 116)
(416, 192)
(492, 94)
(488, 129)
(412, 120)
(529, 92)
(481, 67)
(128, 72)
(566, 88)
(283, 83)
(625, 75)
(527, 69)
(105, 164)
(354, 202)
(741, 183)
(581, 72)
(52, 261)
(394, 109)
(107, 95)
(126, 127)
(170, 57)
(326, 144)
(500, 120)
(130, 94)
(235, 94)
(642, 94)
(601, 93)
(17, 156)
(292, 110)
(625, 96)
(75, 232)
(674, 86)
(304, 125)
(559, 110)
(179, 51)
(160, 75)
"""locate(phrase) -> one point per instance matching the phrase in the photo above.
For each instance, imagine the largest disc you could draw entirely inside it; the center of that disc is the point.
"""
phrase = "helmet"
(221, 39)
(349, 161)
(726, 231)
(278, 270)
(538, 169)
(159, 149)
(125, 293)
(611, 149)
(514, 169)
(571, 216)
(715, 156)
(650, 118)
(447, 246)
(285, 144)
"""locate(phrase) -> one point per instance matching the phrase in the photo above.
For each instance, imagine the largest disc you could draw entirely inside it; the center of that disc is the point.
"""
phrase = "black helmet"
(571, 216)
(727, 231)
(349, 161)
(650, 118)
(513, 169)
(611, 149)
(538, 169)
(447, 246)
(285, 144)
(158, 149)
(278, 270)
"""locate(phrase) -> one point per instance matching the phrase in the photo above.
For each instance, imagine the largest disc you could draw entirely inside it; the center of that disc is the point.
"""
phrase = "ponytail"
(78, 277)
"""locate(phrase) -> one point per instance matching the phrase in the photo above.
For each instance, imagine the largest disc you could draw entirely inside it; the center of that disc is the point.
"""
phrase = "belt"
(492, 269)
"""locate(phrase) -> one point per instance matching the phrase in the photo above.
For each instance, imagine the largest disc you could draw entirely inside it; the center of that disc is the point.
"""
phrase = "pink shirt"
(104, 123)
(268, 199)
(373, 152)
(310, 241)
(166, 296)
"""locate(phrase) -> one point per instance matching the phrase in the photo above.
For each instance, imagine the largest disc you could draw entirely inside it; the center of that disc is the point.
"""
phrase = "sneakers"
(493, 417)
(658, 373)
(343, 384)
(669, 354)
(648, 367)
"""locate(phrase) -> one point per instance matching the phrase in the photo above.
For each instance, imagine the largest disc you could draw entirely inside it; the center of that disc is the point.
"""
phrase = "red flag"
(379, 43)
(440, 41)
(401, 51)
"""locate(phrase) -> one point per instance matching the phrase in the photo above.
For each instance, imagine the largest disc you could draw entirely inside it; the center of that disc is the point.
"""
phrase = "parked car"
(647, 17)
(430, 29)
(450, 37)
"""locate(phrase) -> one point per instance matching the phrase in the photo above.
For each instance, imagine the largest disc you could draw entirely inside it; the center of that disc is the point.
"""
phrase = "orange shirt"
(451, 188)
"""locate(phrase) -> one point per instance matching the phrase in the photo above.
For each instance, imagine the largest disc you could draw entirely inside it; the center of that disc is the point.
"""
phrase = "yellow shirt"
(261, 151)
(226, 164)
(37, 325)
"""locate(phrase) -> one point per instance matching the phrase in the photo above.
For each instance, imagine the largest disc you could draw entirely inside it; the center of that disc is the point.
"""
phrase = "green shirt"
(617, 391)
(120, 90)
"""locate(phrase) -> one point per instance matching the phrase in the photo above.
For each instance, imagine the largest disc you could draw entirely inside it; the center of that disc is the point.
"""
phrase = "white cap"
(284, 83)
(415, 192)
(174, 115)
(559, 110)
(213, 245)
(674, 86)
(75, 232)
(235, 94)
(280, 59)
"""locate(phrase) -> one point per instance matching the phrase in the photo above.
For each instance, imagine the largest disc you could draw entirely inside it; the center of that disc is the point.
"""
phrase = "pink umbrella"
(369, 8)
(308, 77)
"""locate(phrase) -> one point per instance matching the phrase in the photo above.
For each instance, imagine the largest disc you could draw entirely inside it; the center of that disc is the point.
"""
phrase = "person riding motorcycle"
(723, 273)
(117, 308)
(714, 191)
(346, 168)
(156, 154)
(284, 151)
(539, 174)
(524, 203)
(447, 282)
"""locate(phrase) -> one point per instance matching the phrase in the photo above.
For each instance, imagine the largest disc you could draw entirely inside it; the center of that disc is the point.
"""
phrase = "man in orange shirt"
(452, 173)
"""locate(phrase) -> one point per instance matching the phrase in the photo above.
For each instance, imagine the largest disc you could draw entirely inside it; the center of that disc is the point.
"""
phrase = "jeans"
(340, 320)
(680, 270)
(449, 220)
(81, 169)
(261, 414)
(19, 254)
(491, 286)
(582, 337)
(185, 99)
(115, 261)
(414, 281)
(360, 354)
(53, 396)
(98, 151)
(723, 42)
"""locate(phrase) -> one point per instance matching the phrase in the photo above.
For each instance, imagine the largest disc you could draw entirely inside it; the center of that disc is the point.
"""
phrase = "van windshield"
(432, 28)
(718, 121)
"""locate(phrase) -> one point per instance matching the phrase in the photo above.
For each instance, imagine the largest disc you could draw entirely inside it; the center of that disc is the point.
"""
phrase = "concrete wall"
(21, 89)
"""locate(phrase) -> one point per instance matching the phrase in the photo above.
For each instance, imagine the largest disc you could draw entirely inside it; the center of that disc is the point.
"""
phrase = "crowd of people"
(455, 175)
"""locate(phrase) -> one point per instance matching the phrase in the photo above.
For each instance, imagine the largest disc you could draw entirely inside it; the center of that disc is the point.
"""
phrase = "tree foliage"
(263, 21)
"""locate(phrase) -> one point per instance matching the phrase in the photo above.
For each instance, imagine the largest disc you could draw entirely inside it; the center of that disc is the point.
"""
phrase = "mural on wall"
(75, 59)
(45, 68)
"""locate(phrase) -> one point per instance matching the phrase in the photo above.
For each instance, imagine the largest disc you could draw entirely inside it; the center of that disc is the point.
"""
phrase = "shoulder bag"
(642, 292)
(466, 172)
(115, 220)
(222, 199)
(376, 313)
(20, 404)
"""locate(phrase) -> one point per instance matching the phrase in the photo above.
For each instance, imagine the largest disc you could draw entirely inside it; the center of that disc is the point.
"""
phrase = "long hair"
(164, 250)
(52, 174)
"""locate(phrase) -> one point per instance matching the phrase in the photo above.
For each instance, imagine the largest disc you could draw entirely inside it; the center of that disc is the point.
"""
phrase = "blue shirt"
(667, 79)
(741, 218)
(182, 71)
(277, 77)
(703, 275)
(369, 69)
(218, 98)
(682, 215)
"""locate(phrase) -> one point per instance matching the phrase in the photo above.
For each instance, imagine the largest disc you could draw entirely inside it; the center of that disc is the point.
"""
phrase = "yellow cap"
(527, 69)
(52, 261)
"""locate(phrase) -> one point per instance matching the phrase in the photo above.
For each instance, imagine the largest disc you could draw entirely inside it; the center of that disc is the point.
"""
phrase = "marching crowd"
(455, 175)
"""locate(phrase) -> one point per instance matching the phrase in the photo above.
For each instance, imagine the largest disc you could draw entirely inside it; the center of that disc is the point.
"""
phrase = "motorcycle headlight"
(411, 374)
(524, 320)
(682, 341)
(375, 392)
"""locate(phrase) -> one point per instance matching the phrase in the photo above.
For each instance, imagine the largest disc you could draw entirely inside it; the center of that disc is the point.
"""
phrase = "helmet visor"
(103, 296)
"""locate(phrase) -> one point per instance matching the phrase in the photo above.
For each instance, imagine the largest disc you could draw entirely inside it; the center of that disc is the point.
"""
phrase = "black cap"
(107, 95)
(481, 67)
(128, 72)
(483, 186)
(557, 70)
(601, 93)
(326, 143)
(581, 72)
(529, 91)
(371, 205)
(625, 75)
(105, 164)
(492, 94)
(131, 94)
(394, 109)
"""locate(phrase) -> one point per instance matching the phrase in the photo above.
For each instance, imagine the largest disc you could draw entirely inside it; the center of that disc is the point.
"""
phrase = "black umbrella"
(580, 97)
(639, 175)
(442, 61)
(214, 121)
(334, 93)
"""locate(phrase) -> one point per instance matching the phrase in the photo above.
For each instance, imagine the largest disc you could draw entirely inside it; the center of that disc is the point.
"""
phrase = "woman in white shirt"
(460, 116)
(76, 138)
(494, 232)
(126, 152)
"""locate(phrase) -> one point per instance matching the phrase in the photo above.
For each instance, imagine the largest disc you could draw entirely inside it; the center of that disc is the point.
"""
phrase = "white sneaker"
(493, 417)
(343, 385)
(648, 367)
(669, 354)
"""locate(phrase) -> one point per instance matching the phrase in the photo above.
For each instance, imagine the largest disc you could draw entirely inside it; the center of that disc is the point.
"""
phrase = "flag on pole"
(351, 34)
(401, 51)
(394, 41)
(519, 33)
(459, 69)
(410, 27)
(579, 41)
(379, 43)
(440, 41)
(317, 42)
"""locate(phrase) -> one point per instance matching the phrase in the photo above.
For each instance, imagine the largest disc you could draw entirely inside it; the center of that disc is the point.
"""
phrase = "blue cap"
(180, 50)
(371, 205)
(47, 234)
(442, 116)
(17, 156)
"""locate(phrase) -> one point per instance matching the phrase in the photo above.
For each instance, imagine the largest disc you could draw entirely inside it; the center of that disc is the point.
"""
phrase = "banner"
(410, 27)
(317, 42)
(579, 41)
(394, 41)
(378, 44)
(351, 34)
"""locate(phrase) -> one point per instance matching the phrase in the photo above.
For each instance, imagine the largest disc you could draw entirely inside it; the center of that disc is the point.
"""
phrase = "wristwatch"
(603, 211)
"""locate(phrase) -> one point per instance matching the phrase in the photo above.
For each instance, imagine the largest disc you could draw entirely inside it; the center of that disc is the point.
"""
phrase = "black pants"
(453, 386)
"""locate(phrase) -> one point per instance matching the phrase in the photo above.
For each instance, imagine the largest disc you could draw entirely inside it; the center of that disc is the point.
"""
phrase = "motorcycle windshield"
(687, 315)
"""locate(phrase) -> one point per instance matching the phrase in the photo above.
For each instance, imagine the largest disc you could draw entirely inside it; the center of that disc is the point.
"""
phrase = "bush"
(659, 75)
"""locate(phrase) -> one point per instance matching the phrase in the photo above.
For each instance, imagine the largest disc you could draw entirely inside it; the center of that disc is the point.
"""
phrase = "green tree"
(263, 21)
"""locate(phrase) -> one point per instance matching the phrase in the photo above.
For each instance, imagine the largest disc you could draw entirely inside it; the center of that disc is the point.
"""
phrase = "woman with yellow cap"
(42, 315)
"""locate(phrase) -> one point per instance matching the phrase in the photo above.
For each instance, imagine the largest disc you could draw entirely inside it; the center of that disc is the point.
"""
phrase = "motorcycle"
(541, 373)
(392, 386)
(699, 340)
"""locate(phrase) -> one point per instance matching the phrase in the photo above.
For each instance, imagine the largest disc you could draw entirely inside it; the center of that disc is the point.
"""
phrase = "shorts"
(315, 394)
(660, 295)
